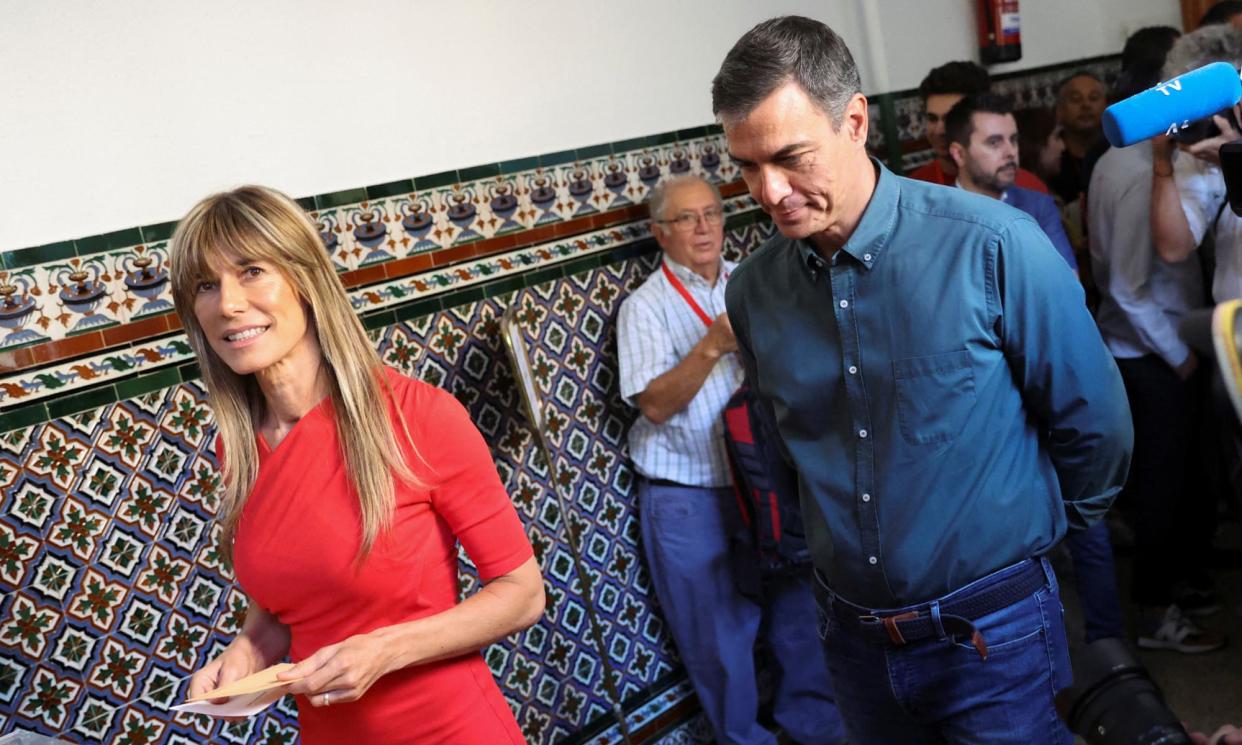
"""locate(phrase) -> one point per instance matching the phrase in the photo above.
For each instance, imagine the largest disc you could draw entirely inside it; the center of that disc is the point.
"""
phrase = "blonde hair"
(260, 224)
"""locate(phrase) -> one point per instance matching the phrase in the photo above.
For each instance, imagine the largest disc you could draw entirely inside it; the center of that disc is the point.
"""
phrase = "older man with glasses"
(678, 367)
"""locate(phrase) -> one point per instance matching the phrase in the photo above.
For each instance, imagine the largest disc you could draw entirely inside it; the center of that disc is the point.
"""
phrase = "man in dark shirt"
(1080, 105)
(943, 392)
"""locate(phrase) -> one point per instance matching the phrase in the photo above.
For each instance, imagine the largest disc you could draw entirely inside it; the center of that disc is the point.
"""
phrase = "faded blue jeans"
(941, 690)
(686, 536)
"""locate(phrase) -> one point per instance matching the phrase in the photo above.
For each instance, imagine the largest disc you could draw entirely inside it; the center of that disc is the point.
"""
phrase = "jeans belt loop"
(935, 616)
(894, 632)
(1049, 576)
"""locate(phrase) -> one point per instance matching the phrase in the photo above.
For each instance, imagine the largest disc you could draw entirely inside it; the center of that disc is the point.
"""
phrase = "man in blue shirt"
(943, 392)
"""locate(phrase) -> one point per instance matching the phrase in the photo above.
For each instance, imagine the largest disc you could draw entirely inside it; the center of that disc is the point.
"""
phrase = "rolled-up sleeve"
(1069, 381)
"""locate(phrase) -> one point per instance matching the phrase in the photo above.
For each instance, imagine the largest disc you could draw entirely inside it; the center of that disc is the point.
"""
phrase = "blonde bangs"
(254, 223)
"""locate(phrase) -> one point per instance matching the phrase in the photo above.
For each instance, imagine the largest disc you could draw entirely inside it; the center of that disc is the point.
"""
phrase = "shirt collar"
(1004, 197)
(870, 236)
(686, 274)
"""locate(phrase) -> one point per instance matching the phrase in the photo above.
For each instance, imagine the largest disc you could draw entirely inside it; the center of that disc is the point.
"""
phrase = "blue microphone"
(1173, 105)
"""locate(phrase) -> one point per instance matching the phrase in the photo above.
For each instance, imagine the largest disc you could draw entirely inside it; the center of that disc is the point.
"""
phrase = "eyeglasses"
(687, 221)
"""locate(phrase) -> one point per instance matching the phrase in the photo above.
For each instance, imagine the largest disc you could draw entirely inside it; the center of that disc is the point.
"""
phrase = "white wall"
(121, 114)
(920, 34)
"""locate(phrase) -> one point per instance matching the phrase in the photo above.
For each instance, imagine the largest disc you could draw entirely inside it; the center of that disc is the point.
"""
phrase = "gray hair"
(780, 50)
(657, 201)
(1220, 43)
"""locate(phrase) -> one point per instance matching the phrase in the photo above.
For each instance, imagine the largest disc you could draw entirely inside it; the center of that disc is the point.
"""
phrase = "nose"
(232, 296)
(1010, 152)
(773, 187)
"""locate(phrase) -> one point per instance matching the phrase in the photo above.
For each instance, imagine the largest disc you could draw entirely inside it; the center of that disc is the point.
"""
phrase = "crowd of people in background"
(1142, 275)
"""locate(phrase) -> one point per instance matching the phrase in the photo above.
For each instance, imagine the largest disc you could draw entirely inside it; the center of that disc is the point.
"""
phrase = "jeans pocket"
(1011, 628)
(934, 396)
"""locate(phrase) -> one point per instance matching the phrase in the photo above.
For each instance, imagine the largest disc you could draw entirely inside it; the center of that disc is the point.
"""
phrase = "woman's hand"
(262, 641)
(234, 663)
(341, 672)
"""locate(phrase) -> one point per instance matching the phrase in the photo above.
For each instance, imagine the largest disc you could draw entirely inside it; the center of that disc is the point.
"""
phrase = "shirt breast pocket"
(935, 394)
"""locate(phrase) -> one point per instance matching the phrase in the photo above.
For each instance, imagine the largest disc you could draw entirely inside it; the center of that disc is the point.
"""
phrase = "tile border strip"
(121, 374)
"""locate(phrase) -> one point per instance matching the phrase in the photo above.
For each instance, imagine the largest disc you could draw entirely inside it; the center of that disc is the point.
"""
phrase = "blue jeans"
(941, 690)
(686, 533)
(1095, 579)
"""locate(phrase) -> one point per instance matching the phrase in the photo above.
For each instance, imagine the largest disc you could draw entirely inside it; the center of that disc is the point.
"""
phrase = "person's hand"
(340, 672)
(1209, 150)
(720, 335)
(1226, 735)
(234, 663)
(1188, 366)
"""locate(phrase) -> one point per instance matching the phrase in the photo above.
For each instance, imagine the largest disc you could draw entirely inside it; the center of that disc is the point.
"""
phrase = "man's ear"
(855, 119)
(657, 232)
(958, 154)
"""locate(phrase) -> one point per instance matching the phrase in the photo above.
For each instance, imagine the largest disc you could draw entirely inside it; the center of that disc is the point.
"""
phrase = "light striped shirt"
(656, 329)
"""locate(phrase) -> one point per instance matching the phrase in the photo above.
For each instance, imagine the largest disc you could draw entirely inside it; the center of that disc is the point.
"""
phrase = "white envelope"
(244, 705)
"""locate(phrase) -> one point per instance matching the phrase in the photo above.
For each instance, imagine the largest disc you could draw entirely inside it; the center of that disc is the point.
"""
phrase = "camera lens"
(1115, 702)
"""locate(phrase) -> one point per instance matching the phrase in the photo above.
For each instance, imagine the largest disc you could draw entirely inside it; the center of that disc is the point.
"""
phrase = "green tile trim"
(582, 264)
(436, 180)
(501, 286)
(340, 198)
(463, 296)
(594, 151)
(490, 170)
(189, 371)
(543, 275)
(664, 138)
(108, 241)
(556, 159)
(715, 128)
(691, 133)
(307, 203)
(156, 233)
(143, 384)
(519, 164)
(418, 309)
(24, 257)
(1029, 72)
(634, 143)
(390, 189)
(745, 218)
(382, 319)
(84, 401)
(23, 416)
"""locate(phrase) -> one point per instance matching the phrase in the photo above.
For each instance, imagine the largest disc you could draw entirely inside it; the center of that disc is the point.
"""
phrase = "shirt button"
(862, 433)
(871, 560)
(845, 303)
(866, 257)
(866, 497)
(853, 370)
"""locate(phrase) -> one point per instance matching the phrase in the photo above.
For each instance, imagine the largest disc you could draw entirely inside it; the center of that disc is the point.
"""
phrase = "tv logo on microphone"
(1184, 100)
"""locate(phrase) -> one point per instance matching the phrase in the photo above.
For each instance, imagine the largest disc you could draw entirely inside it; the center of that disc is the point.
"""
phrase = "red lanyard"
(685, 295)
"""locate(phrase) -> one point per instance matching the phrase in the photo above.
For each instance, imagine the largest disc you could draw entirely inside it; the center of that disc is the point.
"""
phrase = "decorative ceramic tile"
(114, 590)
(22, 387)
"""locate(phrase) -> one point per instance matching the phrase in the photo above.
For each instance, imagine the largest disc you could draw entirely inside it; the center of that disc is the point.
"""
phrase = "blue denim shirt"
(940, 387)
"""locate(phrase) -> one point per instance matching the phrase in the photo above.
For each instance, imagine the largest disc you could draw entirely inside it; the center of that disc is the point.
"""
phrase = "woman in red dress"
(346, 489)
